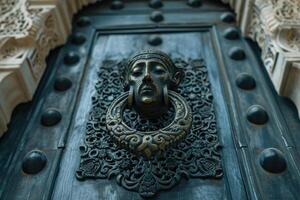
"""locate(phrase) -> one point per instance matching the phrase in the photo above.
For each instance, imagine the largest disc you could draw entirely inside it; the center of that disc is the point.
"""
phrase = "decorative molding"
(29, 29)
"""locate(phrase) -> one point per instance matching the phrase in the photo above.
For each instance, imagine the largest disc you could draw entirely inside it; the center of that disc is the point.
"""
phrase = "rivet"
(194, 3)
(71, 58)
(154, 40)
(83, 21)
(157, 16)
(272, 160)
(34, 162)
(256, 114)
(156, 4)
(62, 84)
(245, 81)
(237, 53)
(117, 5)
(231, 34)
(50, 117)
(228, 17)
(78, 39)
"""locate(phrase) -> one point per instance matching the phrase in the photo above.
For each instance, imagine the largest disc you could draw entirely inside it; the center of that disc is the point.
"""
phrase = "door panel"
(56, 122)
(192, 45)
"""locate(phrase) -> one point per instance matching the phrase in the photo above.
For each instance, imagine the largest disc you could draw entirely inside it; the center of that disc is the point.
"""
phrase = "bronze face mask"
(149, 75)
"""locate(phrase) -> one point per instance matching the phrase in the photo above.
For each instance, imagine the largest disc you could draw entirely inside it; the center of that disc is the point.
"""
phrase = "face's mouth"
(147, 89)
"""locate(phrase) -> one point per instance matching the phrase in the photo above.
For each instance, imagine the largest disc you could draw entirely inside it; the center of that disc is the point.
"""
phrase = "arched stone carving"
(30, 29)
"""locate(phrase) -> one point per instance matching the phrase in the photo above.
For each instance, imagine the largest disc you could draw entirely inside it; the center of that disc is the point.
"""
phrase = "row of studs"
(118, 5)
(271, 159)
(157, 16)
(36, 160)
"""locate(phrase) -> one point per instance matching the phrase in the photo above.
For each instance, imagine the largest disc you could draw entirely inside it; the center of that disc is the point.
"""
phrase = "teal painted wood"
(194, 33)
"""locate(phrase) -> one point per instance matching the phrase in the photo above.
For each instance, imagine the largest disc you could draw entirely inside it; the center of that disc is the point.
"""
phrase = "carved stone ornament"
(193, 154)
(275, 26)
(30, 29)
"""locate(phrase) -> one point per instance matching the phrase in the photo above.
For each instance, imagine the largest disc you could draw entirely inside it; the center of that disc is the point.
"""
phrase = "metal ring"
(151, 142)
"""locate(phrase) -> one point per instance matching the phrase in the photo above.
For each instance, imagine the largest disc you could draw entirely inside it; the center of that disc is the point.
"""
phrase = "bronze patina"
(151, 79)
(149, 75)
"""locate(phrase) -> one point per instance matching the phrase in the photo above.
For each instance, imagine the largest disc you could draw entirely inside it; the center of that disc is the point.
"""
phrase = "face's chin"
(147, 100)
(148, 94)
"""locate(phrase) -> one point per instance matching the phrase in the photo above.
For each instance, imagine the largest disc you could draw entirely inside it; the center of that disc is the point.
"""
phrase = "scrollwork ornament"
(13, 18)
(289, 40)
(286, 10)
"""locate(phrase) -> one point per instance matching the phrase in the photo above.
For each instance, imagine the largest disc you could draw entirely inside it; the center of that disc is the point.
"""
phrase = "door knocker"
(150, 155)
(150, 80)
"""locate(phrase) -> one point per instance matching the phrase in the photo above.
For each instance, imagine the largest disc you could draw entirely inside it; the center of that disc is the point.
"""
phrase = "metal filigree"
(197, 156)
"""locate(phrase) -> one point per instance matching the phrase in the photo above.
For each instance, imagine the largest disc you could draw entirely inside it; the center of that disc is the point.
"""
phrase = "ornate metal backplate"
(197, 156)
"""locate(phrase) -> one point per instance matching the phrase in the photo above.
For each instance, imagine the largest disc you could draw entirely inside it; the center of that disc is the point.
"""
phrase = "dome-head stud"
(155, 4)
(62, 84)
(154, 40)
(71, 58)
(231, 33)
(78, 39)
(228, 17)
(34, 162)
(194, 3)
(117, 5)
(272, 160)
(156, 16)
(50, 117)
(256, 114)
(237, 53)
(83, 21)
(245, 81)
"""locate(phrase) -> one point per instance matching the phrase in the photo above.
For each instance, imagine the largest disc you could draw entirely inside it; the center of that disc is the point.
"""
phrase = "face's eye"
(159, 70)
(137, 71)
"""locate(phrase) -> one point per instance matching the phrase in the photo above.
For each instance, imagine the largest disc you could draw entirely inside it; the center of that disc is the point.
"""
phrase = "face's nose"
(147, 76)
